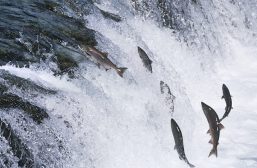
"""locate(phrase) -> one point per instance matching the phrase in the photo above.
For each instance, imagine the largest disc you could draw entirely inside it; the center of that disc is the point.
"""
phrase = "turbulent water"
(96, 119)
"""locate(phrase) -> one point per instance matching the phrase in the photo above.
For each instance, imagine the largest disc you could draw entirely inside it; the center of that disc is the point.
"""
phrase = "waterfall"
(58, 108)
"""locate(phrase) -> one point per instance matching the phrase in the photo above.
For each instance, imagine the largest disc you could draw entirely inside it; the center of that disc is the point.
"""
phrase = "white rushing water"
(124, 122)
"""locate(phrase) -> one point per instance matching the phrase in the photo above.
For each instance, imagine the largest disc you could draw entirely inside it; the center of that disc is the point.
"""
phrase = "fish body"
(228, 100)
(178, 138)
(145, 59)
(214, 127)
(112, 16)
(169, 97)
(102, 59)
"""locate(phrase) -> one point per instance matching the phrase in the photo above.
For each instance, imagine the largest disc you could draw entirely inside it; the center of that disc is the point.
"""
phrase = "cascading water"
(59, 109)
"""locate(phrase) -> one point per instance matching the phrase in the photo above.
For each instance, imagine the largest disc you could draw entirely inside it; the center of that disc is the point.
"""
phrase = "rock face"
(32, 32)
(178, 18)
(38, 33)
(18, 148)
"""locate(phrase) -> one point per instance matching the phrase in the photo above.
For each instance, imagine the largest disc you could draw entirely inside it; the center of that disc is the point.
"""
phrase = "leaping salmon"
(145, 59)
(228, 100)
(102, 59)
(215, 127)
(178, 138)
(169, 97)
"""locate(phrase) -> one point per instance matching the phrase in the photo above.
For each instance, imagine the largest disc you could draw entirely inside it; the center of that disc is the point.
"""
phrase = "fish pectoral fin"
(209, 131)
(220, 126)
(210, 141)
(191, 165)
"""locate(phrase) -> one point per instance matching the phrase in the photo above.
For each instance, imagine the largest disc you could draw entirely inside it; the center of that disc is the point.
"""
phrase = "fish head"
(205, 107)
(173, 123)
(224, 87)
(139, 49)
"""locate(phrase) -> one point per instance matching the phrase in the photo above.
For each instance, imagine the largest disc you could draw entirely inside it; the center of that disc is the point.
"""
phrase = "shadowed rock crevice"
(10, 100)
(19, 149)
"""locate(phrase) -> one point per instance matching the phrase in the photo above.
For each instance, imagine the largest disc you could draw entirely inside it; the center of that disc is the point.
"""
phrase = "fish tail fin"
(190, 165)
(222, 118)
(213, 151)
(120, 71)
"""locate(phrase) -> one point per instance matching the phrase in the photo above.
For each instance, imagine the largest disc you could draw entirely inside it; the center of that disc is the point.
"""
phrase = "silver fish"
(214, 127)
(102, 59)
(145, 59)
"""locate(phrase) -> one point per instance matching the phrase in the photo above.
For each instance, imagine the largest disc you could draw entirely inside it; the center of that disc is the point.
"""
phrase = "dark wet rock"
(166, 14)
(80, 7)
(23, 84)
(5, 162)
(194, 1)
(14, 101)
(66, 59)
(19, 149)
(88, 7)
(3, 88)
(174, 14)
(66, 65)
(6, 159)
(32, 32)
(29, 29)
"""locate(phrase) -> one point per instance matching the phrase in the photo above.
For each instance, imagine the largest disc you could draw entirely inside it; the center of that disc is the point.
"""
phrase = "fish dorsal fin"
(209, 131)
(105, 54)
(210, 141)
(220, 126)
